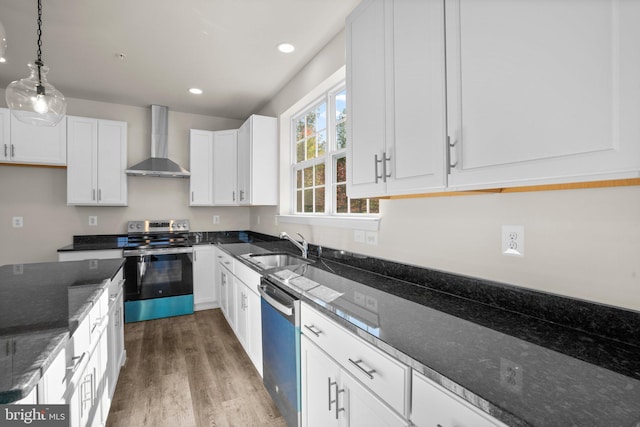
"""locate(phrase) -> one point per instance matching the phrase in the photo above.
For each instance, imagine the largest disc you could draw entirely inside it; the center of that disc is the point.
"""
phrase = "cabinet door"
(416, 152)
(433, 405)
(201, 168)
(242, 314)
(232, 311)
(244, 163)
(363, 408)
(319, 387)
(39, 144)
(367, 101)
(52, 385)
(112, 163)
(5, 134)
(254, 329)
(530, 107)
(225, 167)
(82, 161)
(224, 276)
(203, 286)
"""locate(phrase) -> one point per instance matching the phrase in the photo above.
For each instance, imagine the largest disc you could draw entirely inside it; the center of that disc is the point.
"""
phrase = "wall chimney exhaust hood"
(159, 163)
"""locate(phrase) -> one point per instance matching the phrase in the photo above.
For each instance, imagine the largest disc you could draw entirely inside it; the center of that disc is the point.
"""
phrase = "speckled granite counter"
(41, 305)
(576, 367)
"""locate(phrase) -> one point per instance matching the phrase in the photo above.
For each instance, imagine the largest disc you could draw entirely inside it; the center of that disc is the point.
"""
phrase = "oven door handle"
(157, 251)
(282, 308)
(142, 267)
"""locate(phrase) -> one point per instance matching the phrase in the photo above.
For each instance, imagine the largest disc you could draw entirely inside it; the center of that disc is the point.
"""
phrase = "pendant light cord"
(39, 63)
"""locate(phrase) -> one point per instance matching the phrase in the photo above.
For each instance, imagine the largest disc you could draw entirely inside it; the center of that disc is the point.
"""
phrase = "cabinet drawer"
(382, 374)
(225, 260)
(247, 275)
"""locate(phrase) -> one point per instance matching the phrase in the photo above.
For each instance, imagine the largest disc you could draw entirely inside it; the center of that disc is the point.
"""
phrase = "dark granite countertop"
(581, 368)
(41, 305)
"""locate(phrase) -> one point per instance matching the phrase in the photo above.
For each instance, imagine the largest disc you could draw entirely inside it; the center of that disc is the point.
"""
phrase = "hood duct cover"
(159, 163)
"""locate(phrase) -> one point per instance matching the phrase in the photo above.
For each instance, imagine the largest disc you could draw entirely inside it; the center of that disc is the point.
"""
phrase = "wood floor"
(189, 371)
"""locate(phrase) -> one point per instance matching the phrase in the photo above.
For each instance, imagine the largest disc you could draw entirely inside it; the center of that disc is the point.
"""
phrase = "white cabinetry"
(204, 289)
(528, 106)
(52, 386)
(97, 160)
(224, 279)
(201, 168)
(82, 255)
(115, 330)
(396, 98)
(225, 166)
(258, 161)
(28, 144)
(332, 397)
(432, 405)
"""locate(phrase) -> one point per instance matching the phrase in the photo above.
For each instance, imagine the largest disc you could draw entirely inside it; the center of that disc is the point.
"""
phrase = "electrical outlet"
(216, 219)
(258, 219)
(17, 222)
(371, 237)
(358, 236)
(371, 303)
(18, 269)
(93, 221)
(511, 375)
(513, 240)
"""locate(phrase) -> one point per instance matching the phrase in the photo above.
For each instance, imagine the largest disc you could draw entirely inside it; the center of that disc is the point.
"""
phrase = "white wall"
(39, 194)
(579, 243)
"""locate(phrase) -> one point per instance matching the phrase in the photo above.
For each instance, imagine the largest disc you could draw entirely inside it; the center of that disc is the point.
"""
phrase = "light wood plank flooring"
(189, 371)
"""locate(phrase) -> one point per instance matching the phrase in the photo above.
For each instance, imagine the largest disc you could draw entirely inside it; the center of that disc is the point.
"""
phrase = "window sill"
(338, 221)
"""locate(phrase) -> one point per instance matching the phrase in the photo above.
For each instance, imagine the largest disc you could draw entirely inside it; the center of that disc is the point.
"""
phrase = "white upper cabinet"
(225, 188)
(28, 144)
(396, 98)
(542, 92)
(258, 161)
(97, 158)
(201, 168)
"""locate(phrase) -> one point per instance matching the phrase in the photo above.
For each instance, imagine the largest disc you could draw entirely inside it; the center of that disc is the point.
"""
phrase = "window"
(320, 163)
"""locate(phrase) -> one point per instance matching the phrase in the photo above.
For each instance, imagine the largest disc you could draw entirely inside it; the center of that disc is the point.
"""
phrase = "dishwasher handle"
(282, 308)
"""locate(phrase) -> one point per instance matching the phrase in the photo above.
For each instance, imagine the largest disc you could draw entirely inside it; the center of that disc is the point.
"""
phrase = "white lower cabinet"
(204, 290)
(52, 385)
(432, 405)
(332, 397)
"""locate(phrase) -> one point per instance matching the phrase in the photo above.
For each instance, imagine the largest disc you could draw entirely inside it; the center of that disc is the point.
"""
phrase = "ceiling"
(227, 48)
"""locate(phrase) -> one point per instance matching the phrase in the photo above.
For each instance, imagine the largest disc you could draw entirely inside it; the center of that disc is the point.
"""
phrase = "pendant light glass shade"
(3, 42)
(33, 100)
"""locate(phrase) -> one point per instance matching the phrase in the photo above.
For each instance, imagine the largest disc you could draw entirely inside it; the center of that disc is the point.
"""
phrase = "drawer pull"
(311, 328)
(338, 391)
(79, 361)
(364, 371)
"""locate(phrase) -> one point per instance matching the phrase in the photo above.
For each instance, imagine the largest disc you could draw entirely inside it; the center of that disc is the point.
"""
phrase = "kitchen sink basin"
(271, 260)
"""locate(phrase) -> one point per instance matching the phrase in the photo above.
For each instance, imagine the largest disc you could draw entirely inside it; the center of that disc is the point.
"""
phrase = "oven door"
(157, 274)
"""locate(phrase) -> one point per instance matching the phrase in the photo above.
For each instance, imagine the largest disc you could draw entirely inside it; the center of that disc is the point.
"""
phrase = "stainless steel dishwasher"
(281, 349)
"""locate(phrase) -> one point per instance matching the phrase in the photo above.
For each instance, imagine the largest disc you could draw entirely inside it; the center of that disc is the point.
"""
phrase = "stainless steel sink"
(271, 260)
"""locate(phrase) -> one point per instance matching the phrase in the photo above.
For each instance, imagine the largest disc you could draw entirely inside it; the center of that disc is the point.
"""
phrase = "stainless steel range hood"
(159, 163)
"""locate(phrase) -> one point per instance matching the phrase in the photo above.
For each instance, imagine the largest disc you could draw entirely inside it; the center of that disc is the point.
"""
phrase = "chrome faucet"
(304, 246)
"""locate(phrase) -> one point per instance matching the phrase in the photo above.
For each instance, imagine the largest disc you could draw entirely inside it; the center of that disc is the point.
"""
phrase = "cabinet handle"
(241, 195)
(449, 147)
(338, 409)
(364, 371)
(93, 194)
(234, 195)
(5, 150)
(385, 159)
(376, 161)
(330, 383)
(99, 194)
(311, 329)
(13, 150)
(192, 196)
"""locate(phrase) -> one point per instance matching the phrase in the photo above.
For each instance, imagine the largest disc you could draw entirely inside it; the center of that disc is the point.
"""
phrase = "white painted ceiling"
(225, 47)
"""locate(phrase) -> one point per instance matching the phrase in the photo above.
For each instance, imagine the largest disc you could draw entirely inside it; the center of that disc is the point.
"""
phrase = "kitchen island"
(41, 306)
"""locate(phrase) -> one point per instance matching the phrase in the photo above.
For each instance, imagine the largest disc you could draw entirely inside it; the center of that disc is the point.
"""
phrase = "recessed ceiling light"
(195, 91)
(286, 47)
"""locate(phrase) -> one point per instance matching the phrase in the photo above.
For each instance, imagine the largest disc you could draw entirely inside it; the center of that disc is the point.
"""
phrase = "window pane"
(299, 201)
(311, 123)
(300, 152)
(341, 169)
(308, 200)
(341, 105)
(322, 143)
(311, 148)
(300, 129)
(308, 177)
(320, 174)
(321, 117)
(358, 205)
(320, 199)
(341, 198)
(374, 206)
(341, 136)
(298, 179)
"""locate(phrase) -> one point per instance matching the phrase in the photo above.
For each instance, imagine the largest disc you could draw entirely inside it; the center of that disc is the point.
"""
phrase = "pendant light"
(33, 100)
(3, 42)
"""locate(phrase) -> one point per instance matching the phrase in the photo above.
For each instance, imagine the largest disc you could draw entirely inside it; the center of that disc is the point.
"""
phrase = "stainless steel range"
(158, 270)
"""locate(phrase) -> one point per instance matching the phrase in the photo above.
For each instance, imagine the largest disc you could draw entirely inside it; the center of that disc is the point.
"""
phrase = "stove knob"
(139, 226)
